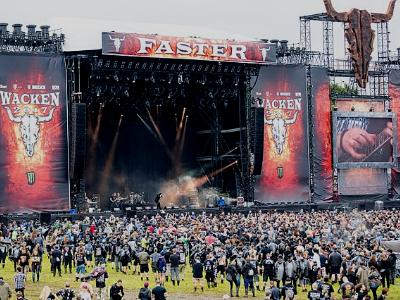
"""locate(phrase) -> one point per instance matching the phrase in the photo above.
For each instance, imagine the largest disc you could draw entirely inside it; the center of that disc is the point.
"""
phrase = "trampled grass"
(132, 284)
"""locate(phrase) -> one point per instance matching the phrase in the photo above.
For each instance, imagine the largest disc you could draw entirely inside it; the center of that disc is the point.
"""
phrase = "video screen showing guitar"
(361, 139)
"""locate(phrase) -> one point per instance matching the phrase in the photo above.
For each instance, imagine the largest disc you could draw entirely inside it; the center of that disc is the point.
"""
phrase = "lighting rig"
(39, 41)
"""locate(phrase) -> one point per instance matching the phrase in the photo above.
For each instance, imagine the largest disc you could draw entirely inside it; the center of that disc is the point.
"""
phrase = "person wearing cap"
(145, 292)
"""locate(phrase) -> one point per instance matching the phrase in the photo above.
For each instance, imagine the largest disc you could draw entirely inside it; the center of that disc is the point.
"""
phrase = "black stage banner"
(322, 135)
(33, 133)
(285, 172)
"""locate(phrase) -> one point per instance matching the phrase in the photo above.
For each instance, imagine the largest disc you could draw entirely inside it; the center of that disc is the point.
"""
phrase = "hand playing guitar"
(354, 141)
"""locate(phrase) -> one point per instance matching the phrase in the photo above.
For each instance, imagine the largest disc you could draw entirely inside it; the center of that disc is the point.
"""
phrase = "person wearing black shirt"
(159, 292)
(157, 200)
(326, 289)
(80, 262)
(314, 294)
(67, 258)
(288, 290)
(174, 259)
(210, 271)
(67, 293)
(101, 285)
(248, 275)
(231, 277)
(56, 256)
(197, 271)
(117, 291)
(268, 270)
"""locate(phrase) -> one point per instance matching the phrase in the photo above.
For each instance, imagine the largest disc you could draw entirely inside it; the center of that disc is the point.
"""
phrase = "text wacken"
(10, 98)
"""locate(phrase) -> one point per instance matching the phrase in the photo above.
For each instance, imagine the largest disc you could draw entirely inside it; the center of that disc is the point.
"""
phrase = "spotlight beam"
(109, 162)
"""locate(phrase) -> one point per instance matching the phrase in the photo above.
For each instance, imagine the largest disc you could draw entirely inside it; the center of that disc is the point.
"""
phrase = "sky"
(83, 20)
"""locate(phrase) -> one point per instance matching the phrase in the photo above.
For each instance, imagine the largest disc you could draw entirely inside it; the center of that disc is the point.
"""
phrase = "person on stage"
(157, 200)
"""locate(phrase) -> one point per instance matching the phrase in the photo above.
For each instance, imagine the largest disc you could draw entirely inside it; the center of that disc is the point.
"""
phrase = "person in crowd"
(145, 292)
(175, 261)
(315, 293)
(56, 257)
(248, 275)
(67, 257)
(80, 263)
(86, 291)
(66, 293)
(197, 272)
(117, 291)
(3, 251)
(101, 278)
(144, 258)
(36, 263)
(159, 292)
(46, 294)
(19, 281)
(347, 289)
(20, 296)
(5, 290)
(374, 281)
(288, 290)
(231, 277)
(384, 295)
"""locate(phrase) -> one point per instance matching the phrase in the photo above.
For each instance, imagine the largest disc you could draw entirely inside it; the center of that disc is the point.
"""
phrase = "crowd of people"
(274, 254)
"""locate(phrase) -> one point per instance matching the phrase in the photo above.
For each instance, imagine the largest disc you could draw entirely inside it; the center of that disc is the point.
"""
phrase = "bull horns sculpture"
(360, 35)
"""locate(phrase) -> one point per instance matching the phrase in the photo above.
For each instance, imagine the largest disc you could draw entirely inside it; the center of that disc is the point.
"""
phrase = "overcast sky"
(83, 20)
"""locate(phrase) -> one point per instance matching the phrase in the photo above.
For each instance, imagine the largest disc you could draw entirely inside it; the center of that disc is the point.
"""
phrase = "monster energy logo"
(280, 172)
(31, 177)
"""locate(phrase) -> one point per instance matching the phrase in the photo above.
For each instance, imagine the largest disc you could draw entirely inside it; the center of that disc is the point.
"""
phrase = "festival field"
(132, 284)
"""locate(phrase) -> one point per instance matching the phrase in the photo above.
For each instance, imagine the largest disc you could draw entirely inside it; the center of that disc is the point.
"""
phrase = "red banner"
(144, 45)
(322, 135)
(285, 173)
(33, 134)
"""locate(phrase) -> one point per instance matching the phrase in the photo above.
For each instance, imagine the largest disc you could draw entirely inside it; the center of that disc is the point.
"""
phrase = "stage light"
(226, 103)
(116, 77)
(122, 115)
(180, 79)
(134, 78)
(220, 81)
(126, 93)
(152, 78)
(170, 78)
(236, 80)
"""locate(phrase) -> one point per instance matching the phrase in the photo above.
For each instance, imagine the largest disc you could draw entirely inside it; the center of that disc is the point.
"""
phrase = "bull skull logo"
(117, 42)
(264, 52)
(279, 129)
(29, 127)
(360, 35)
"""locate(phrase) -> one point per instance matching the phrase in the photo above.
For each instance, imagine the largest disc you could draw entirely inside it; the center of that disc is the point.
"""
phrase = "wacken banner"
(285, 172)
(144, 45)
(33, 134)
